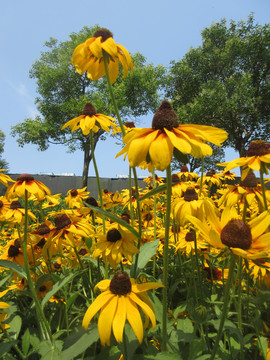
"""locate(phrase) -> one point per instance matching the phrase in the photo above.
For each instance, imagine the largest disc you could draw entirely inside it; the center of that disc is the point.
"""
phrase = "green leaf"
(78, 342)
(146, 252)
(26, 341)
(185, 330)
(70, 300)
(5, 347)
(264, 344)
(15, 326)
(114, 218)
(56, 287)
(153, 192)
(14, 267)
(49, 351)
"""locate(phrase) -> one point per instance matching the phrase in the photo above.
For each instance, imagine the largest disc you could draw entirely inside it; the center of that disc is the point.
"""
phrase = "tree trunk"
(88, 155)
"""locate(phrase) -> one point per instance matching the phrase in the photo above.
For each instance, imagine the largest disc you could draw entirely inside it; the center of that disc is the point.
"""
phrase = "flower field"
(179, 270)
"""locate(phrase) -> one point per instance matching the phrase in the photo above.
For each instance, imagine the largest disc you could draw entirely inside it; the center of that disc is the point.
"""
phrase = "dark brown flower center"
(61, 221)
(42, 288)
(190, 195)
(258, 148)
(57, 266)
(148, 217)
(249, 181)
(175, 228)
(17, 243)
(16, 205)
(236, 234)
(165, 117)
(73, 193)
(113, 235)
(1, 204)
(13, 251)
(184, 168)
(175, 178)
(43, 229)
(82, 252)
(126, 217)
(25, 177)
(210, 173)
(89, 110)
(190, 236)
(215, 273)
(130, 124)
(91, 201)
(120, 284)
(104, 33)
(41, 243)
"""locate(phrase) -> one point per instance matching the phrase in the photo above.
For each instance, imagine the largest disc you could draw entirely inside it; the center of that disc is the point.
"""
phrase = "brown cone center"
(43, 229)
(61, 221)
(236, 234)
(13, 251)
(249, 181)
(258, 148)
(190, 195)
(25, 177)
(89, 110)
(104, 33)
(120, 284)
(15, 205)
(165, 117)
(113, 235)
(190, 236)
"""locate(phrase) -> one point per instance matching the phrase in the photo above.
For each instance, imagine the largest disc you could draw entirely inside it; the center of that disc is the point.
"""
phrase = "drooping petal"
(105, 320)
(161, 151)
(145, 308)
(100, 301)
(134, 318)
(119, 319)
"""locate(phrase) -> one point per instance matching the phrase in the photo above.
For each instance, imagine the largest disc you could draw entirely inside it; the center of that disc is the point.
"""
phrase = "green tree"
(3, 163)
(63, 94)
(225, 82)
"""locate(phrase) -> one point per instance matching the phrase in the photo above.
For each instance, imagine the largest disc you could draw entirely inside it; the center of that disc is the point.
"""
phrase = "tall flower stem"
(263, 189)
(155, 215)
(201, 184)
(44, 325)
(225, 306)
(110, 88)
(166, 260)
(97, 176)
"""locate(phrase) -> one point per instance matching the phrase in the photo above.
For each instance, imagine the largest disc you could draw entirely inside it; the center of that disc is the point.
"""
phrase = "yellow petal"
(138, 288)
(161, 151)
(119, 319)
(145, 308)
(179, 141)
(96, 48)
(134, 318)
(110, 47)
(105, 320)
(100, 301)
(139, 148)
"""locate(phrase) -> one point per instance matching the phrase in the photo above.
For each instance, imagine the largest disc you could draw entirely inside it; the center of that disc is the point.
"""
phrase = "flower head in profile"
(118, 302)
(156, 145)
(75, 197)
(91, 55)
(258, 158)
(27, 182)
(90, 121)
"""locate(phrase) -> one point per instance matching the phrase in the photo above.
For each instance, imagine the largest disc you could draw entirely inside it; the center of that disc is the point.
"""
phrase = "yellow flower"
(90, 56)
(90, 121)
(157, 144)
(75, 197)
(115, 245)
(33, 187)
(119, 302)
(5, 179)
(3, 305)
(16, 213)
(44, 288)
(258, 156)
(250, 240)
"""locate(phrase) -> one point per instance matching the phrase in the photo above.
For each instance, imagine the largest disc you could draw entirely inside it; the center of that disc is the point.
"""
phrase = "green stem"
(44, 325)
(155, 216)
(97, 177)
(263, 189)
(14, 345)
(225, 306)
(166, 260)
(139, 221)
(201, 184)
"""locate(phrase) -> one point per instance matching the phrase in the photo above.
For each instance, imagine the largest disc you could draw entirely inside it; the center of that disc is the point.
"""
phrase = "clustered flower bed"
(177, 271)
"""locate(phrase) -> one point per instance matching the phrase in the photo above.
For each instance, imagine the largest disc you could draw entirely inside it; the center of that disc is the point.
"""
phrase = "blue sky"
(161, 31)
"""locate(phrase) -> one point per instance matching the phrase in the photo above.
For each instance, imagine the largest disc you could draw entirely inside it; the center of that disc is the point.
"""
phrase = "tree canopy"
(225, 82)
(3, 163)
(63, 93)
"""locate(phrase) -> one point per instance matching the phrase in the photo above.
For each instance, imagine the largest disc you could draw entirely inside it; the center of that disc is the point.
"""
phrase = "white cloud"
(20, 89)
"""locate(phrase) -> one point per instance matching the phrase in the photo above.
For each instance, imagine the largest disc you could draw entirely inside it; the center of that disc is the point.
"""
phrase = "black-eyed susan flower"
(157, 144)
(5, 179)
(186, 175)
(75, 197)
(4, 205)
(27, 182)
(90, 121)
(16, 213)
(119, 301)
(258, 157)
(250, 240)
(116, 244)
(3, 305)
(91, 55)
(44, 288)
